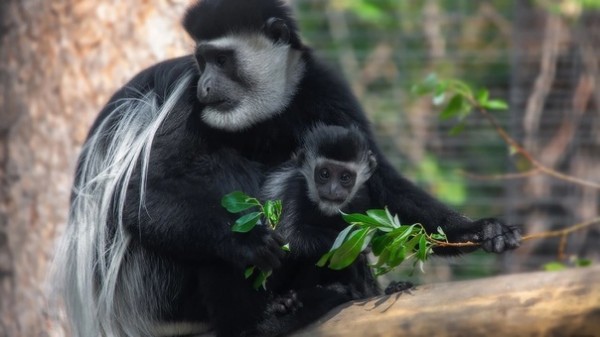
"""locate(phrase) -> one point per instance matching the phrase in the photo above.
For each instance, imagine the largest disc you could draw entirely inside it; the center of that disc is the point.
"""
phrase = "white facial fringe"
(275, 71)
(89, 260)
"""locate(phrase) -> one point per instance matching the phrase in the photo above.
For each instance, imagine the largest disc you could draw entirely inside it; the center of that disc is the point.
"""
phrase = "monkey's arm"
(413, 205)
(182, 216)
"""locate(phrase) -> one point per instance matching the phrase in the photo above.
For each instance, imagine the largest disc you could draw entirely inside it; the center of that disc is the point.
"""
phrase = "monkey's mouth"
(333, 201)
(330, 207)
(222, 105)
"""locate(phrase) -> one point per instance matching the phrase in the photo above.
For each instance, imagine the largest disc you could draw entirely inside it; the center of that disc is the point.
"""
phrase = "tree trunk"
(59, 62)
(563, 303)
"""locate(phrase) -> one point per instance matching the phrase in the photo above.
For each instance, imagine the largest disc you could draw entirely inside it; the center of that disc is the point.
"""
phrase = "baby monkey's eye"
(324, 173)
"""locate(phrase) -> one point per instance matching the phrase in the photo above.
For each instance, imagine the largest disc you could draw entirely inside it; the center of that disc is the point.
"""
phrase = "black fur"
(236, 17)
(339, 143)
(188, 234)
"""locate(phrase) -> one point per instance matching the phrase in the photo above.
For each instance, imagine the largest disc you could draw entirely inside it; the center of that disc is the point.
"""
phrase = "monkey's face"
(334, 184)
(247, 78)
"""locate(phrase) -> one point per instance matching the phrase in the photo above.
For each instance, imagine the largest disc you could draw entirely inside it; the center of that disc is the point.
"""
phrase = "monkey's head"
(249, 58)
(336, 162)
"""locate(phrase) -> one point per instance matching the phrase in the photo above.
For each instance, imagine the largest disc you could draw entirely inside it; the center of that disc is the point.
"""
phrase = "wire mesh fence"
(542, 58)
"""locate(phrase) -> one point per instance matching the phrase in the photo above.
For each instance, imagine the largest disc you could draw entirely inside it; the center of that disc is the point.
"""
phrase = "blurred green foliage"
(400, 26)
(385, 47)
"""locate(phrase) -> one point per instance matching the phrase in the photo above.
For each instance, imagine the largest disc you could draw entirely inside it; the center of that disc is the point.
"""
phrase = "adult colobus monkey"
(148, 242)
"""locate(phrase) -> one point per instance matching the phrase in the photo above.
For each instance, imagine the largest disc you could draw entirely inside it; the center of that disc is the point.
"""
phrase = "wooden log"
(565, 303)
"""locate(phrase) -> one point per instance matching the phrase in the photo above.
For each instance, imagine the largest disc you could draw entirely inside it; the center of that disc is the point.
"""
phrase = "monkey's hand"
(493, 235)
(260, 247)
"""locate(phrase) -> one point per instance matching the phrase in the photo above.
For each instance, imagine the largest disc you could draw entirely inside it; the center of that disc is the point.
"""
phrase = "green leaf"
(440, 93)
(323, 260)
(420, 264)
(379, 243)
(394, 220)
(341, 237)
(495, 104)
(412, 243)
(349, 250)
(482, 96)
(248, 272)
(440, 235)
(272, 209)
(439, 99)
(460, 88)
(261, 280)
(554, 266)
(361, 219)
(381, 216)
(384, 257)
(237, 202)
(397, 255)
(453, 108)
(368, 238)
(246, 223)
(457, 129)
(403, 233)
(431, 80)
(427, 86)
(422, 253)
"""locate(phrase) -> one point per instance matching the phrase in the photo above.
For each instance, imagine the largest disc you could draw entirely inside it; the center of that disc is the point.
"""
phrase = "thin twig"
(520, 149)
(557, 233)
(507, 176)
(564, 231)
(454, 244)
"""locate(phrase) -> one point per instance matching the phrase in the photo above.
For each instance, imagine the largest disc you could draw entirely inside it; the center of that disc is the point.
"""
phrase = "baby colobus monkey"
(325, 176)
(336, 163)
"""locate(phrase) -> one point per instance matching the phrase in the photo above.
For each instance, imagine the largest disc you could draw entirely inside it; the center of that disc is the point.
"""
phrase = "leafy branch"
(269, 214)
(390, 241)
(462, 101)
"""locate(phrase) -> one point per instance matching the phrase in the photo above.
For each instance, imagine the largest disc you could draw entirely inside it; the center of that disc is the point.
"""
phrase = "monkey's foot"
(285, 304)
(399, 287)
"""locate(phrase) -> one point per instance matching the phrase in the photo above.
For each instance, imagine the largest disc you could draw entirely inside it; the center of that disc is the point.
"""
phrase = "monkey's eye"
(221, 60)
(346, 178)
(324, 174)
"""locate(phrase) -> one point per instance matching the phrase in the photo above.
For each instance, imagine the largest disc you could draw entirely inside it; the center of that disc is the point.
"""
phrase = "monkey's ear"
(278, 30)
(372, 161)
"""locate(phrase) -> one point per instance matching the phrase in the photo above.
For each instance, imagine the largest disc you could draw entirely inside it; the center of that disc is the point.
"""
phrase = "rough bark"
(59, 62)
(563, 303)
